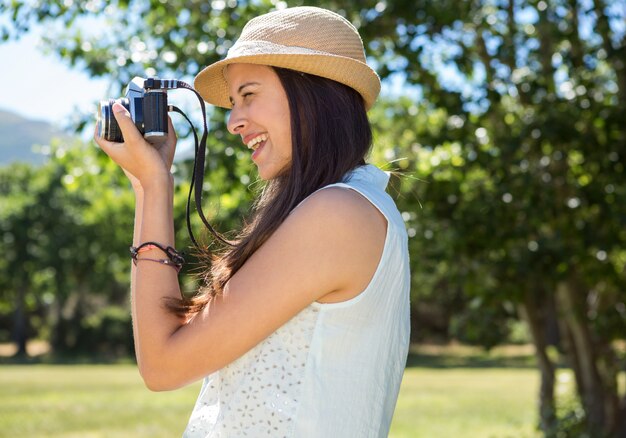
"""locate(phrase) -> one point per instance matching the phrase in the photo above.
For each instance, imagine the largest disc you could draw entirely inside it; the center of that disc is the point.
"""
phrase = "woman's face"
(260, 115)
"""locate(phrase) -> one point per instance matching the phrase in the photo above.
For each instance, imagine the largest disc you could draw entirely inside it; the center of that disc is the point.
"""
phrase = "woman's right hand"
(143, 163)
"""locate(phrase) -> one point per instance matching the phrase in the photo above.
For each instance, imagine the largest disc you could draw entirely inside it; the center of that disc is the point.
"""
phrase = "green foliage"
(66, 241)
(486, 326)
(513, 175)
(107, 333)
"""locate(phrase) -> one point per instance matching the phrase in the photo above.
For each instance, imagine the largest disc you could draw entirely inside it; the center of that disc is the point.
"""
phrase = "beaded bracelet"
(166, 262)
(174, 258)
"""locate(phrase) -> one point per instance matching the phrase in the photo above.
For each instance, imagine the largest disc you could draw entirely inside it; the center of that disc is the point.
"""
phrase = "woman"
(302, 326)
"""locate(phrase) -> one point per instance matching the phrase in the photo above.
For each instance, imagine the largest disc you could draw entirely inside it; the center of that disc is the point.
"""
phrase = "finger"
(172, 138)
(127, 126)
(171, 132)
(116, 151)
(112, 149)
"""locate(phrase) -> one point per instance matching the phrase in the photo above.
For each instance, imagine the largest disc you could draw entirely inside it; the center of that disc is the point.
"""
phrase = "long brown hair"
(330, 135)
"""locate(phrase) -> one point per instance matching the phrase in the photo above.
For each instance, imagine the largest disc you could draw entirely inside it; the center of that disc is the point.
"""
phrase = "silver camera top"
(135, 90)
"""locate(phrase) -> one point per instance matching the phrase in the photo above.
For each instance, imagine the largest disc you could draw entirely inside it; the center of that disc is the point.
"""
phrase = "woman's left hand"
(143, 163)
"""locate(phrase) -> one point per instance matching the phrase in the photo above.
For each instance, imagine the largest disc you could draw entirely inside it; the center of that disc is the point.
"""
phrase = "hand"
(143, 163)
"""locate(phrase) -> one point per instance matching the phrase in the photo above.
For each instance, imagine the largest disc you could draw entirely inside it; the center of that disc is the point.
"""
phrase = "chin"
(268, 174)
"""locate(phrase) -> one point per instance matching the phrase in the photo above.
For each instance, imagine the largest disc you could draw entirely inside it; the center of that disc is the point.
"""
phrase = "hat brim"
(212, 86)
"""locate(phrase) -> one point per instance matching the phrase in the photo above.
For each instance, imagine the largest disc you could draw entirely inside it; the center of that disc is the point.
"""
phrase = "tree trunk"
(571, 355)
(546, 50)
(620, 429)
(531, 312)
(608, 368)
(577, 46)
(596, 385)
(615, 54)
(67, 323)
(20, 336)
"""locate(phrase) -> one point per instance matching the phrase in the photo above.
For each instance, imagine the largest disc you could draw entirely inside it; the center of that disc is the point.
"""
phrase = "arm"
(152, 281)
(148, 169)
(136, 230)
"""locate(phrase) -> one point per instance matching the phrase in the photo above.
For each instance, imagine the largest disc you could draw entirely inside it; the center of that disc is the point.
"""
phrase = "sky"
(41, 86)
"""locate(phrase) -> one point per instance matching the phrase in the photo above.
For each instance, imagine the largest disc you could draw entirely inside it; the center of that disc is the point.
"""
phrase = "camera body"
(147, 104)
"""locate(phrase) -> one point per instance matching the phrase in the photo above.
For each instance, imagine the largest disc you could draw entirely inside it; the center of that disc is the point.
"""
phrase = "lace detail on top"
(258, 394)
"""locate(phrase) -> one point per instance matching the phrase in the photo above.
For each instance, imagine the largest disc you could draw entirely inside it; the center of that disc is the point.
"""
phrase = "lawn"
(481, 403)
(442, 395)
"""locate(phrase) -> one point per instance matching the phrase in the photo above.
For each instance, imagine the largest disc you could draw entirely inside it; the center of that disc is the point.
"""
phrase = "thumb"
(126, 124)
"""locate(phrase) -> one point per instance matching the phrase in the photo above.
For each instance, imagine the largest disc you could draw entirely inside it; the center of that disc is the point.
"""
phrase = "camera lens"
(107, 127)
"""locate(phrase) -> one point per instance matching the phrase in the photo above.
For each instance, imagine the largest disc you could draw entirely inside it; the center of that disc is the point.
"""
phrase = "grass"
(447, 393)
(88, 401)
(479, 403)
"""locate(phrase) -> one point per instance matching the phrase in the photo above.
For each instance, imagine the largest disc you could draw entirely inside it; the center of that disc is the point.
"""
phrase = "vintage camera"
(146, 102)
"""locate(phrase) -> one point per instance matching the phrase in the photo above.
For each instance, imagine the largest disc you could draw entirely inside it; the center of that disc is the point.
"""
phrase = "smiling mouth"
(256, 141)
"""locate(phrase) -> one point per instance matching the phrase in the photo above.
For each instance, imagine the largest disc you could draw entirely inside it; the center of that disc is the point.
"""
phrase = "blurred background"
(504, 122)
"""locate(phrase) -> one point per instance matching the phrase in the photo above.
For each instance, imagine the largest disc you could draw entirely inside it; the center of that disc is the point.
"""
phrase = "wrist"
(137, 188)
(157, 183)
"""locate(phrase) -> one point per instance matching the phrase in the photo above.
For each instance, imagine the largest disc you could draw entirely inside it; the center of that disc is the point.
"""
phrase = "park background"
(505, 124)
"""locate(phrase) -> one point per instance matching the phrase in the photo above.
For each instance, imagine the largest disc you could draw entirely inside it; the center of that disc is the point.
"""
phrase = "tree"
(523, 171)
(57, 236)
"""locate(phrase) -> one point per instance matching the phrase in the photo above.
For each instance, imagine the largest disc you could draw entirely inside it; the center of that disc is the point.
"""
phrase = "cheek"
(284, 128)
(286, 140)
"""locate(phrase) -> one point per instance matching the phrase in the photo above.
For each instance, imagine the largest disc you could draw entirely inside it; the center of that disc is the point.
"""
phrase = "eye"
(243, 97)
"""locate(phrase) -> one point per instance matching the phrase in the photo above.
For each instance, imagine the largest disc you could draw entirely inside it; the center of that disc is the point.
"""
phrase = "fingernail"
(118, 108)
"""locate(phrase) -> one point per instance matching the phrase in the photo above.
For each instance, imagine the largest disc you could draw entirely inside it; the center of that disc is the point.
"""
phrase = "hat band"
(252, 48)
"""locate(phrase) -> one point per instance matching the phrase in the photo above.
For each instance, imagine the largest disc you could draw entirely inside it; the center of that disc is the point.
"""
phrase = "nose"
(236, 121)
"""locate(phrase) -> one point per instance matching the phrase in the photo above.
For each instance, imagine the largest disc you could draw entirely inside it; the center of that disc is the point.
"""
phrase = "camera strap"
(197, 177)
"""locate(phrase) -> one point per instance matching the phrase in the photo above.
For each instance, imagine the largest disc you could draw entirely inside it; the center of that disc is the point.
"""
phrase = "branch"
(546, 49)
(615, 56)
(576, 42)
(486, 60)
(511, 53)
(602, 26)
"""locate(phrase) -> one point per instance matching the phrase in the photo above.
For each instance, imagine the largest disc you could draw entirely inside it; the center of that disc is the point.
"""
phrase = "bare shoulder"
(342, 206)
(350, 231)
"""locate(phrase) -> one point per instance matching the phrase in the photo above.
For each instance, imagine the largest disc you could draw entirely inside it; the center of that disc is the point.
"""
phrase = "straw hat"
(306, 39)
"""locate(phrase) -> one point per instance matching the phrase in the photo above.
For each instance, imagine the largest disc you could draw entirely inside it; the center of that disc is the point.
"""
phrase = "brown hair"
(330, 136)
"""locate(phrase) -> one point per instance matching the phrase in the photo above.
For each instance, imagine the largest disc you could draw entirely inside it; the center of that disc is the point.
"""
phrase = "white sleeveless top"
(333, 370)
